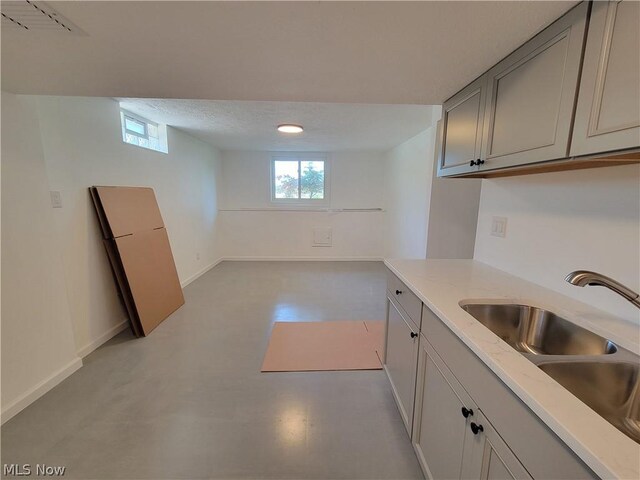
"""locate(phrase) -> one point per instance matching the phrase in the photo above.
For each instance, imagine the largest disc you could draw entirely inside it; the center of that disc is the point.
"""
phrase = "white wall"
(560, 222)
(408, 176)
(453, 216)
(254, 228)
(38, 349)
(82, 147)
(427, 216)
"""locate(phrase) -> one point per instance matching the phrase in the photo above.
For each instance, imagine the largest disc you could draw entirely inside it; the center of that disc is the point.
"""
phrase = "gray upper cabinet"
(460, 135)
(608, 109)
(531, 96)
(566, 99)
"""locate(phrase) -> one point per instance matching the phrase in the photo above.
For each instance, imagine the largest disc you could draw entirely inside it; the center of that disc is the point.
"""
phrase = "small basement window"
(143, 133)
(300, 179)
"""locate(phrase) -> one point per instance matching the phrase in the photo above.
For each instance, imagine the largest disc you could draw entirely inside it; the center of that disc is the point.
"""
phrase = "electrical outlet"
(197, 255)
(56, 199)
(499, 226)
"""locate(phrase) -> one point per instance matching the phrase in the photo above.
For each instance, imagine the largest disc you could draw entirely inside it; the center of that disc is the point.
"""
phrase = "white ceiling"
(231, 125)
(345, 52)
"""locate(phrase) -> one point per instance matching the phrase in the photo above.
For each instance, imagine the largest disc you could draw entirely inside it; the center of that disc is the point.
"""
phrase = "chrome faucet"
(582, 278)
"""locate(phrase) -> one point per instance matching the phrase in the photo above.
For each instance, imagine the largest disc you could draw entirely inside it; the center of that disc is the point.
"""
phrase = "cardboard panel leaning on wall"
(129, 209)
(140, 254)
(151, 274)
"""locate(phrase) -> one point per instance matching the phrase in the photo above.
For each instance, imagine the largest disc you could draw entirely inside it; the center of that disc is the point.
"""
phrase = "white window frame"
(136, 119)
(161, 129)
(301, 158)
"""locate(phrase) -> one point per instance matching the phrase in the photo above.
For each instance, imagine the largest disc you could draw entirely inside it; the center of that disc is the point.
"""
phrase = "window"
(143, 133)
(299, 179)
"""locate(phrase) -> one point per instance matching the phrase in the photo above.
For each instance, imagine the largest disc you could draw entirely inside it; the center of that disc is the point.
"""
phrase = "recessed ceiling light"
(290, 128)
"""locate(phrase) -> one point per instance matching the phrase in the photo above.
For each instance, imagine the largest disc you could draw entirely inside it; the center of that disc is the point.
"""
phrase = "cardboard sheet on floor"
(151, 274)
(330, 345)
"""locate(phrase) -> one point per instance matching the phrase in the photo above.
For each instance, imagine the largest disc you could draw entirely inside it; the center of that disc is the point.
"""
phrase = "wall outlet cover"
(56, 199)
(499, 226)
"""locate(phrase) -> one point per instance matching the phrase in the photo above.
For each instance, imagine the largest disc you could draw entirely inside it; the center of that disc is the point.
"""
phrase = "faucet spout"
(582, 278)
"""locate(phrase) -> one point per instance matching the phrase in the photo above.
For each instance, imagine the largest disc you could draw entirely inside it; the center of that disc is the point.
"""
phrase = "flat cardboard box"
(151, 274)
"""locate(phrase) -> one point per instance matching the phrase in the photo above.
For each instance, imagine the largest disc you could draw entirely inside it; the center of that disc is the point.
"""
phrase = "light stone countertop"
(443, 284)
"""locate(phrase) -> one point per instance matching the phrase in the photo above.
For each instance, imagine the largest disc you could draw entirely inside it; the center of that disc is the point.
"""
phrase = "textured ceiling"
(231, 125)
(347, 52)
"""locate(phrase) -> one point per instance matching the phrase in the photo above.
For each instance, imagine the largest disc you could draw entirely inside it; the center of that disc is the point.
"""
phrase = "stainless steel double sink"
(603, 375)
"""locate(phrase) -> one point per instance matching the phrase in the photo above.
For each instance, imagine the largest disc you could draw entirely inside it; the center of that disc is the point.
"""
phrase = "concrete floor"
(189, 401)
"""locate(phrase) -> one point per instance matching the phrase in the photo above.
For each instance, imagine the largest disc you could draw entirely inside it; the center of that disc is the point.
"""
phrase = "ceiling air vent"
(27, 15)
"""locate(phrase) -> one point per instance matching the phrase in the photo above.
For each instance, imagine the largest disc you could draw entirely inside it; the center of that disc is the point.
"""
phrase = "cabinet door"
(401, 359)
(487, 456)
(460, 134)
(608, 110)
(439, 426)
(531, 96)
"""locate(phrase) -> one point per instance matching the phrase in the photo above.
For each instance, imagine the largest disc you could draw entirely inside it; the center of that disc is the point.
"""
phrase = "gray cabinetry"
(512, 443)
(460, 135)
(531, 95)
(568, 98)
(401, 359)
(439, 427)
(608, 109)
(451, 436)
(464, 422)
(487, 456)
(409, 303)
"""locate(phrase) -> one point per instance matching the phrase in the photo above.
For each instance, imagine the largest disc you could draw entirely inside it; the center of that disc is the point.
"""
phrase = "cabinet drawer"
(411, 304)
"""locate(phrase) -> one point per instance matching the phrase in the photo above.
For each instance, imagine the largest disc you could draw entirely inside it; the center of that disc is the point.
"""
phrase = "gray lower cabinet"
(401, 353)
(451, 436)
(531, 95)
(488, 457)
(439, 427)
(499, 438)
(608, 108)
(464, 422)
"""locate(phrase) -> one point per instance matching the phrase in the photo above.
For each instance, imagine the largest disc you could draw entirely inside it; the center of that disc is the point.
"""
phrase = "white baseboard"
(302, 259)
(201, 272)
(39, 390)
(108, 335)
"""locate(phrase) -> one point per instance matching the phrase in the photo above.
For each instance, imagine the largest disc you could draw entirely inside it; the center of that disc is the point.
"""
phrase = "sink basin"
(611, 389)
(536, 331)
